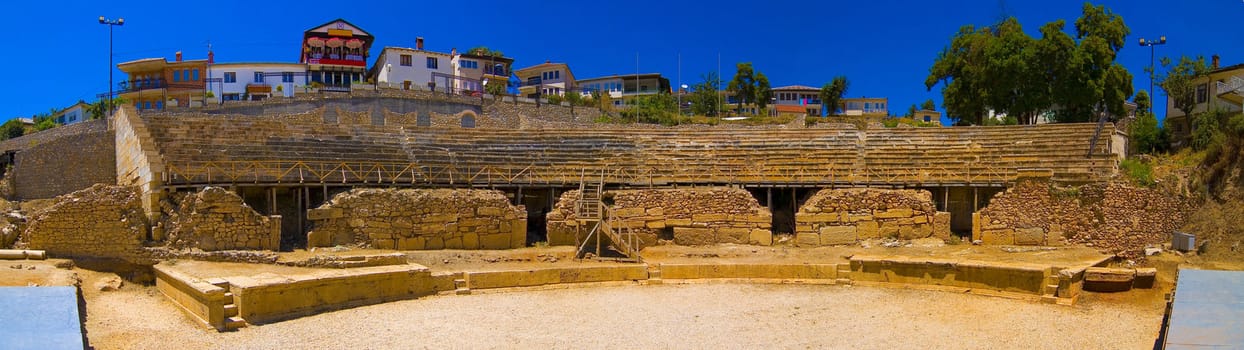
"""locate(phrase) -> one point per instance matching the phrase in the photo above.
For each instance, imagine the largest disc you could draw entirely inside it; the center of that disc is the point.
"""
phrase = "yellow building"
(545, 79)
(1222, 89)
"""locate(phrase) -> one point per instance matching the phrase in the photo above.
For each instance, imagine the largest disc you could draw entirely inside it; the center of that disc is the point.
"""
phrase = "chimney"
(211, 57)
(178, 55)
(419, 43)
(547, 61)
(1214, 59)
(453, 52)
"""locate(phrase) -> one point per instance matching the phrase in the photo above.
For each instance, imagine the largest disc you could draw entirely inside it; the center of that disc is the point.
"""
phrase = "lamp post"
(110, 24)
(1152, 69)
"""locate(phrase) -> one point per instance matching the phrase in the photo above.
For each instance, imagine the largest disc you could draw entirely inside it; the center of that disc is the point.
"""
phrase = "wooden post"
(518, 197)
(946, 198)
(975, 199)
(769, 199)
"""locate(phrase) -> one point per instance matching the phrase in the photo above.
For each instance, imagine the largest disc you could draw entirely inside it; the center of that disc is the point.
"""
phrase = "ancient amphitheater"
(346, 201)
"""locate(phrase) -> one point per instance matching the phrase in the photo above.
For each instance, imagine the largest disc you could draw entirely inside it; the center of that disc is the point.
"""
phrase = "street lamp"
(1152, 69)
(110, 24)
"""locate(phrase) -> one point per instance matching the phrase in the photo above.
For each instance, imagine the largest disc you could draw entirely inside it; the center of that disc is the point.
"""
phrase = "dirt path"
(663, 316)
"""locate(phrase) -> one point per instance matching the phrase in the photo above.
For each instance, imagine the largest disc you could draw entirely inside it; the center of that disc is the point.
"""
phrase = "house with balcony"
(335, 54)
(480, 66)
(788, 99)
(254, 81)
(545, 79)
(1222, 88)
(78, 112)
(865, 106)
(156, 83)
(623, 89)
(413, 68)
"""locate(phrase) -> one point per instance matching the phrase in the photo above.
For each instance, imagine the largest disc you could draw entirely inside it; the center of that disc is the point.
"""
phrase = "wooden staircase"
(594, 216)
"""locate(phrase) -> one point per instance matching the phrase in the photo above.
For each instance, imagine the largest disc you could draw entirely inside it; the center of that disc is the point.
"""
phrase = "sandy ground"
(655, 316)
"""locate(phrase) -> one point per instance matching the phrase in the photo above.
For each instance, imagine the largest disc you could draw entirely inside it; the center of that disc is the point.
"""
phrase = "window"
(185, 75)
(196, 75)
(232, 97)
(287, 77)
(432, 63)
(405, 61)
(557, 74)
(231, 77)
(147, 105)
(469, 64)
(258, 77)
(176, 76)
(159, 104)
(1202, 93)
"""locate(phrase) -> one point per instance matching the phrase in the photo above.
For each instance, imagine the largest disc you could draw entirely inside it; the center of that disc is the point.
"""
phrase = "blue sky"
(884, 47)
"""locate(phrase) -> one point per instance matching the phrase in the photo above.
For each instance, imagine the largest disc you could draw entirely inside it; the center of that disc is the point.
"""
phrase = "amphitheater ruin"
(365, 188)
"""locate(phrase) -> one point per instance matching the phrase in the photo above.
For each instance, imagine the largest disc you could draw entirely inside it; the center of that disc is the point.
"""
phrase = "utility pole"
(110, 24)
(1152, 69)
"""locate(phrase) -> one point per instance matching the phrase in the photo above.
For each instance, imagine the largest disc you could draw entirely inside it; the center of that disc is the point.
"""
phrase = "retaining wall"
(100, 221)
(845, 216)
(217, 219)
(696, 216)
(419, 219)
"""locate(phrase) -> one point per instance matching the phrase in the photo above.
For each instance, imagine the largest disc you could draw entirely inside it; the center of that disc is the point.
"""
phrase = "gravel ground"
(659, 316)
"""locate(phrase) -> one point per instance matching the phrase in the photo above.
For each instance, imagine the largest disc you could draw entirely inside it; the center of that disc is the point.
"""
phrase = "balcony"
(139, 85)
(336, 59)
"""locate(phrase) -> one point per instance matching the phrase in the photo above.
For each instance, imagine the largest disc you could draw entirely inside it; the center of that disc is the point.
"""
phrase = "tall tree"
(1179, 83)
(1145, 135)
(928, 105)
(959, 68)
(911, 111)
(743, 86)
(763, 92)
(832, 93)
(1097, 84)
(704, 99)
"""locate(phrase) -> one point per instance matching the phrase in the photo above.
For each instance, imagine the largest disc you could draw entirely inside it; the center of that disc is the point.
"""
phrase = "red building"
(336, 54)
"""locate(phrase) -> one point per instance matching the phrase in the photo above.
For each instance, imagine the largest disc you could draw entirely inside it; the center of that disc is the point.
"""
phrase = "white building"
(545, 79)
(407, 68)
(255, 80)
(73, 114)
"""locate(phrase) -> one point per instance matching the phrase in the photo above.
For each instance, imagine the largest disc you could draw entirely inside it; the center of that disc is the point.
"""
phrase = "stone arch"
(468, 120)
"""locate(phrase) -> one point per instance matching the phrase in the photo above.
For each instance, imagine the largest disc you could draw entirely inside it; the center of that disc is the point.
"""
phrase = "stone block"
(733, 235)
(976, 227)
(941, 225)
(496, 241)
(998, 237)
(414, 243)
(435, 243)
(819, 218)
(715, 217)
(453, 243)
(324, 214)
(859, 218)
(1145, 277)
(1029, 236)
(678, 222)
(893, 213)
(807, 239)
(837, 235)
(694, 236)
(628, 212)
(907, 232)
(867, 230)
(384, 244)
(888, 229)
(470, 240)
(920, 219)
(1105, 279)
(658, 211)
(761, 237)
(441, 218)
(489, 211)
(923, 230)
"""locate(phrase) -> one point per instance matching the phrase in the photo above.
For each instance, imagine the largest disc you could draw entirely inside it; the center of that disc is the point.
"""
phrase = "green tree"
(574, 98)
(704, 99)
(1179, 83)
(12, 129)
(98, 110)
(555, 99)
(763, 92)
(911, 111)
(485, 51)
(744, 84)
(496, 89)
(1146, 136)
(928, 105)
(1001, 68)
(832, 94)
(655, 109)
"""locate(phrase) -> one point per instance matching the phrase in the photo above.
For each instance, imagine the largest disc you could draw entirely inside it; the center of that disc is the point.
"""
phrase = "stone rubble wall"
(100, 221)
(696, 216)
(1112, 217)
(216, 219)
(419, 219)
(846, 216)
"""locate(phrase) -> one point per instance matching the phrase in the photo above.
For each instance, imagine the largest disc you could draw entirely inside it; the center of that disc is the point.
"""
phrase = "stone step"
(234, 322)
(231, 310)
(462, 291)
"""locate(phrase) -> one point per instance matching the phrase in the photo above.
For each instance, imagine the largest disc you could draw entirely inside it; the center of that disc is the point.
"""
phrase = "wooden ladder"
(591, 212)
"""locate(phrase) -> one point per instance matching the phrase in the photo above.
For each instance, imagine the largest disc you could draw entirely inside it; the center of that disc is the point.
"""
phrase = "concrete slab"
(1208, 311)
(40, 318)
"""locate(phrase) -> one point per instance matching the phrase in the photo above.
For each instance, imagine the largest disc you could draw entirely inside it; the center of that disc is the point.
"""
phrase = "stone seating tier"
(272, 150)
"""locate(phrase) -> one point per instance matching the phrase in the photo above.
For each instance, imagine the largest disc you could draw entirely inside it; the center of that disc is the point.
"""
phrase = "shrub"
(555, 99)
(1139, 172)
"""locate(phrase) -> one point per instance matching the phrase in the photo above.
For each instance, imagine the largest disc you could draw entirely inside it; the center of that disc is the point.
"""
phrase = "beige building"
(624, 88)
(866, 106)
(545, 79)
(928, 117)
(1222, 89)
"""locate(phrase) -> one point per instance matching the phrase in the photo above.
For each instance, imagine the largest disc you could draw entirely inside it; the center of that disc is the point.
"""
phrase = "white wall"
(418, 73)
(246, 75)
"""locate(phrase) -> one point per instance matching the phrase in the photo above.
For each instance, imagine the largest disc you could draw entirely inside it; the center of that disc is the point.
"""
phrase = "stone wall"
(100, 221)
(63, 165)
(696, 216)
(216, 219)
(846, 216)
(1112, 217)
(528, 116)
(412, 219)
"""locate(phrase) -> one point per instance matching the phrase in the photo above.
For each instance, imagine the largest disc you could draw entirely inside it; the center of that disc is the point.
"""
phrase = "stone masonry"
(1112, 217)
(698, 216)
(217, 219)
(100, 221)
(846, 216)
(416, 219)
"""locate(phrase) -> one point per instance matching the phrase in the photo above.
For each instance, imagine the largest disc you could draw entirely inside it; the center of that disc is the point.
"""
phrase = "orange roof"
(791, 108)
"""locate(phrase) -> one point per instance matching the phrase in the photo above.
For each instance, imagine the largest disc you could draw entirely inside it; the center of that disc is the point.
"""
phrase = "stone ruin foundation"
(1113, 217)
(696, 216)
(216, 219)
(419, 219)
(101, 221)
(846, 216)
